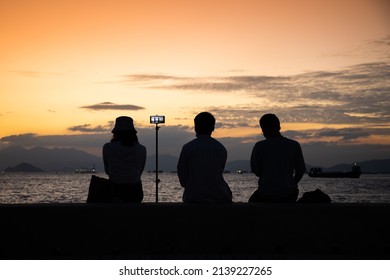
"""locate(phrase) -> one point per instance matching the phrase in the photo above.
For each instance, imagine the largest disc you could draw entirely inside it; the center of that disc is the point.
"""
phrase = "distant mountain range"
(67, 160)
(369, 166)
(23, 167)
(48, 159)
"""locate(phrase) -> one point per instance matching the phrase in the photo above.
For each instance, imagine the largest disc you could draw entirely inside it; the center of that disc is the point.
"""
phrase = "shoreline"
(195, 231)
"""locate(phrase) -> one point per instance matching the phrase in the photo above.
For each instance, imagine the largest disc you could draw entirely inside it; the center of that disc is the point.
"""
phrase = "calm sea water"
(73, 188)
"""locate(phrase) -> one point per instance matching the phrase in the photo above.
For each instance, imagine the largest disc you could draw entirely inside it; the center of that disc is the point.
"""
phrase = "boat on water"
(318, 173)
(83, 170)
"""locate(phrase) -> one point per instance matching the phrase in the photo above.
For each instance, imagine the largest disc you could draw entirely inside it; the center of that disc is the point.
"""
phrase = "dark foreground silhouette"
(195, 231)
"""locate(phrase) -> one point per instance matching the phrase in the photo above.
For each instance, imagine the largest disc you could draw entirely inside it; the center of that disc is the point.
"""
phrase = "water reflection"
(73, 188)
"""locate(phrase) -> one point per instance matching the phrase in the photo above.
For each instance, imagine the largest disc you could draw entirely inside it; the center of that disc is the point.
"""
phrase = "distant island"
(23, 167)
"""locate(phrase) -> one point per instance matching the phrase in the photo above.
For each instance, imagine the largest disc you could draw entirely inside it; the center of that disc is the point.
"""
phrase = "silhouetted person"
(201, 165)
(278, 162)
(124, 161)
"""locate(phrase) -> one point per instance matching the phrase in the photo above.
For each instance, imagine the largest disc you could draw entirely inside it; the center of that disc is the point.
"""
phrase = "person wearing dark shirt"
(278, 162)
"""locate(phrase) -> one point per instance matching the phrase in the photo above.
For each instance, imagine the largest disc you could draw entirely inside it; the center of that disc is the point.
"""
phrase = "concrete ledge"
(195, 231)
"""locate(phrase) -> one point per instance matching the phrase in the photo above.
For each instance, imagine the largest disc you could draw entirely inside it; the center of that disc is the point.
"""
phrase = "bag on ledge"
(99, 190)
(316, 196)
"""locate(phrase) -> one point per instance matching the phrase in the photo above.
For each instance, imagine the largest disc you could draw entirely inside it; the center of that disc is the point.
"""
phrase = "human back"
(201, 165)
(278, 162)
(125, 164)
(124, 161)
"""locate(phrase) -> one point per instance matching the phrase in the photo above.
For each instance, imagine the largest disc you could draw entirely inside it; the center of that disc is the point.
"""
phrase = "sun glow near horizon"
(71, 67)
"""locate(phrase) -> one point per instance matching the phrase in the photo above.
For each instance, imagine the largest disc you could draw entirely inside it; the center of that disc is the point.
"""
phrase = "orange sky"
(58, 57)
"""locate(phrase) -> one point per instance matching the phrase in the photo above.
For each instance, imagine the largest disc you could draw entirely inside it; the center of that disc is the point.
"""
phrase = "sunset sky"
(69, 68)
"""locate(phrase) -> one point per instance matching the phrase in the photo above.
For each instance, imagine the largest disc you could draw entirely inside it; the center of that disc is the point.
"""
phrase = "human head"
(124, 131)
(204, 123)
(124, 124)
(270, 125)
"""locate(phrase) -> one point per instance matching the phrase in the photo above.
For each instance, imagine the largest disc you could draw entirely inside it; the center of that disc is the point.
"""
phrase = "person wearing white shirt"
(124, 161)
(201, 165)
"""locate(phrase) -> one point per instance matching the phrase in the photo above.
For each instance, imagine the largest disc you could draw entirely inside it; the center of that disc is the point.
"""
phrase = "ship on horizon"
(318, 173)
(83, 170)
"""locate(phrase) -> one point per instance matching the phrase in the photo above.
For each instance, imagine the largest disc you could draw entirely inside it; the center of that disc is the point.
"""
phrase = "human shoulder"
(212, 139)
(140, 146)
(292, 145)
(291, 141)
(107, 145)
(215, 143)
(191, 142)
(260, 143)
(203, 141)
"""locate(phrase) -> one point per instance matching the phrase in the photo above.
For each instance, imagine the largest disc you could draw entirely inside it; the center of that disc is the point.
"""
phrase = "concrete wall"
(191, 231)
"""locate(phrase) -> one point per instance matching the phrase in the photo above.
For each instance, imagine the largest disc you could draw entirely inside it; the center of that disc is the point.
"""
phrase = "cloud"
(31, 140)
(248, 115)
(151, 77)
(112, 106)
(381, 47)
(356, 94)
(227, 84)
(343, 134)
(19, 139)
(346, 135)
(87, 128)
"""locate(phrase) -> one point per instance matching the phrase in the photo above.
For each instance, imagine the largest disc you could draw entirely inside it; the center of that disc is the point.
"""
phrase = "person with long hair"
(124, 161)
